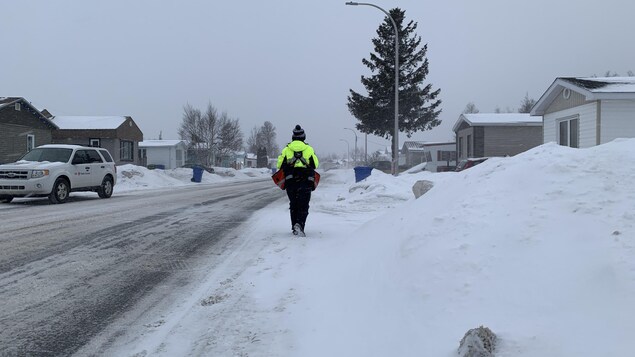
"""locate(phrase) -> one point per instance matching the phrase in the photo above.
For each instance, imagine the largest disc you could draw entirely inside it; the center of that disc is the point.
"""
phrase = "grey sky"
(293, 61)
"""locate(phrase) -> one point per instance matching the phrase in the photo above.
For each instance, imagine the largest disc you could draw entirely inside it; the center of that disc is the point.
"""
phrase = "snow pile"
(132, 177)
(538, 247)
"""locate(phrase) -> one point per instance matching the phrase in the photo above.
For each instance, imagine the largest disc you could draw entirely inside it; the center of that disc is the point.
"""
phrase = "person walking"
(298, 162)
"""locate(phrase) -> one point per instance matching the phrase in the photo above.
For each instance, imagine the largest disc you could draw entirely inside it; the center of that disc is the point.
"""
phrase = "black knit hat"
(298, 133)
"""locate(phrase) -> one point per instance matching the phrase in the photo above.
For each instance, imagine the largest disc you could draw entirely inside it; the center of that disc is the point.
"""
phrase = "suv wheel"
(105, 190)
(6, 199)
(60, 192)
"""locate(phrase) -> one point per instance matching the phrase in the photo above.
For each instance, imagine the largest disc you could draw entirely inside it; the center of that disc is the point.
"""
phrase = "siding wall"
(618, 120)
(560, 103)
(161, 156)
(15, 125)
(587, 114)
(13, 140)
(510, 140)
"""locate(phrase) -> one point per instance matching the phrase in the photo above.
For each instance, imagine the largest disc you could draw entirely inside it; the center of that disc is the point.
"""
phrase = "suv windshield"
(48, 154)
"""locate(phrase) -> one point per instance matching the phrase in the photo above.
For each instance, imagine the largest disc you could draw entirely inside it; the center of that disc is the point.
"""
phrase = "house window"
(443, 155)
(568, 132)
(126, 150)
(461, 147)
(30, 141)
(18, 107)
(94, 143)
(469, 146)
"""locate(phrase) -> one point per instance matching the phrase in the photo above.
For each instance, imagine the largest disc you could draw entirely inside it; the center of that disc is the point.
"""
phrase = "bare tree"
(253, 141)
(265, 136)
(268, 137)
(191, 130)
(201, 131)
(470, 108)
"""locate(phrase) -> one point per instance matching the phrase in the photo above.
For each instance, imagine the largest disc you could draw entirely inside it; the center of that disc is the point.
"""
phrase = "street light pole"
(395, 159)
(348, 150)
(355, 150)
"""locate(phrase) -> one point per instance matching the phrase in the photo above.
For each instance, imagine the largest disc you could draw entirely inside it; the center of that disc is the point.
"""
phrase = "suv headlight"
(39, 173)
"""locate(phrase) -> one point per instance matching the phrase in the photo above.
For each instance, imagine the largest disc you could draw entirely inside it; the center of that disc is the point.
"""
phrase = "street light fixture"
(348, 150)
(355, 150)
(395, 160)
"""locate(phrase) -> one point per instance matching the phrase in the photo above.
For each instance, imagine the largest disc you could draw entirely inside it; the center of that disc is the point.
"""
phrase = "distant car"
(56, 170)
(190, 166)
(466, 164)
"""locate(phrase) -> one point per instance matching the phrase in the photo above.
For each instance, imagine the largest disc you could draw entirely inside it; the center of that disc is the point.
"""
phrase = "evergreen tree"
(526, 104)
(375, 112)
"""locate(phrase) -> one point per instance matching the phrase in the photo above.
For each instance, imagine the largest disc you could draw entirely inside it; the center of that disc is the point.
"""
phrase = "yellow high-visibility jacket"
(298, 146)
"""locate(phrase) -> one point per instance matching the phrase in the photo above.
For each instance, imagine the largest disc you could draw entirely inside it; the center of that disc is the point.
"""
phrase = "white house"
(584, 112)
(438, 156)
(169, 154)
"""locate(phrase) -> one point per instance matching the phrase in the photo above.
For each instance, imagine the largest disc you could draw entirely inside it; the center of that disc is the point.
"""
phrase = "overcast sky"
(293, 61)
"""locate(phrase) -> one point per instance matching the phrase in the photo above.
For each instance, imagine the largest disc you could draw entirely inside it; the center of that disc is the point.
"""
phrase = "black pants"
(299, 193)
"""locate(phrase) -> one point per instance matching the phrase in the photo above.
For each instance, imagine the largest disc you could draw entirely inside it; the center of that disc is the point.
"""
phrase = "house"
(118, 134)
(251, 160)
(22, 127)
(439, 156)
(496, 134)
(582, 112)
(167, 154)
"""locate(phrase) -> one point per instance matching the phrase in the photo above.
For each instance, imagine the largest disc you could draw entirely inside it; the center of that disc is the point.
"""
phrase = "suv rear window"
(106, 155)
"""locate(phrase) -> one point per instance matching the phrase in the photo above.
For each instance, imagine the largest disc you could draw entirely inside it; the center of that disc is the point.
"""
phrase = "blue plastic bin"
(197, 173)
(362, 172)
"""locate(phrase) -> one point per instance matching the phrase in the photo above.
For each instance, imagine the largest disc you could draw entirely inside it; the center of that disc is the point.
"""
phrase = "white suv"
(56, 170)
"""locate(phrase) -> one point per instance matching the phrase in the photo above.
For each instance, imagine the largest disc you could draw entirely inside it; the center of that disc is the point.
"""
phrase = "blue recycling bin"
(362, 172)
(197, 173)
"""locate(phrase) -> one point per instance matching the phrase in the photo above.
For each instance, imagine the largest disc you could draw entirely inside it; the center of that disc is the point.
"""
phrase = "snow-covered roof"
(592, 88)
(498, 119)
(604, 84)
(88, 122)
(422, 145)
(160, 143)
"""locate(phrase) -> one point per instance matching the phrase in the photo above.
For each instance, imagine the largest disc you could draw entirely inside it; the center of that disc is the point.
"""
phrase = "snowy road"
(69, 271)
